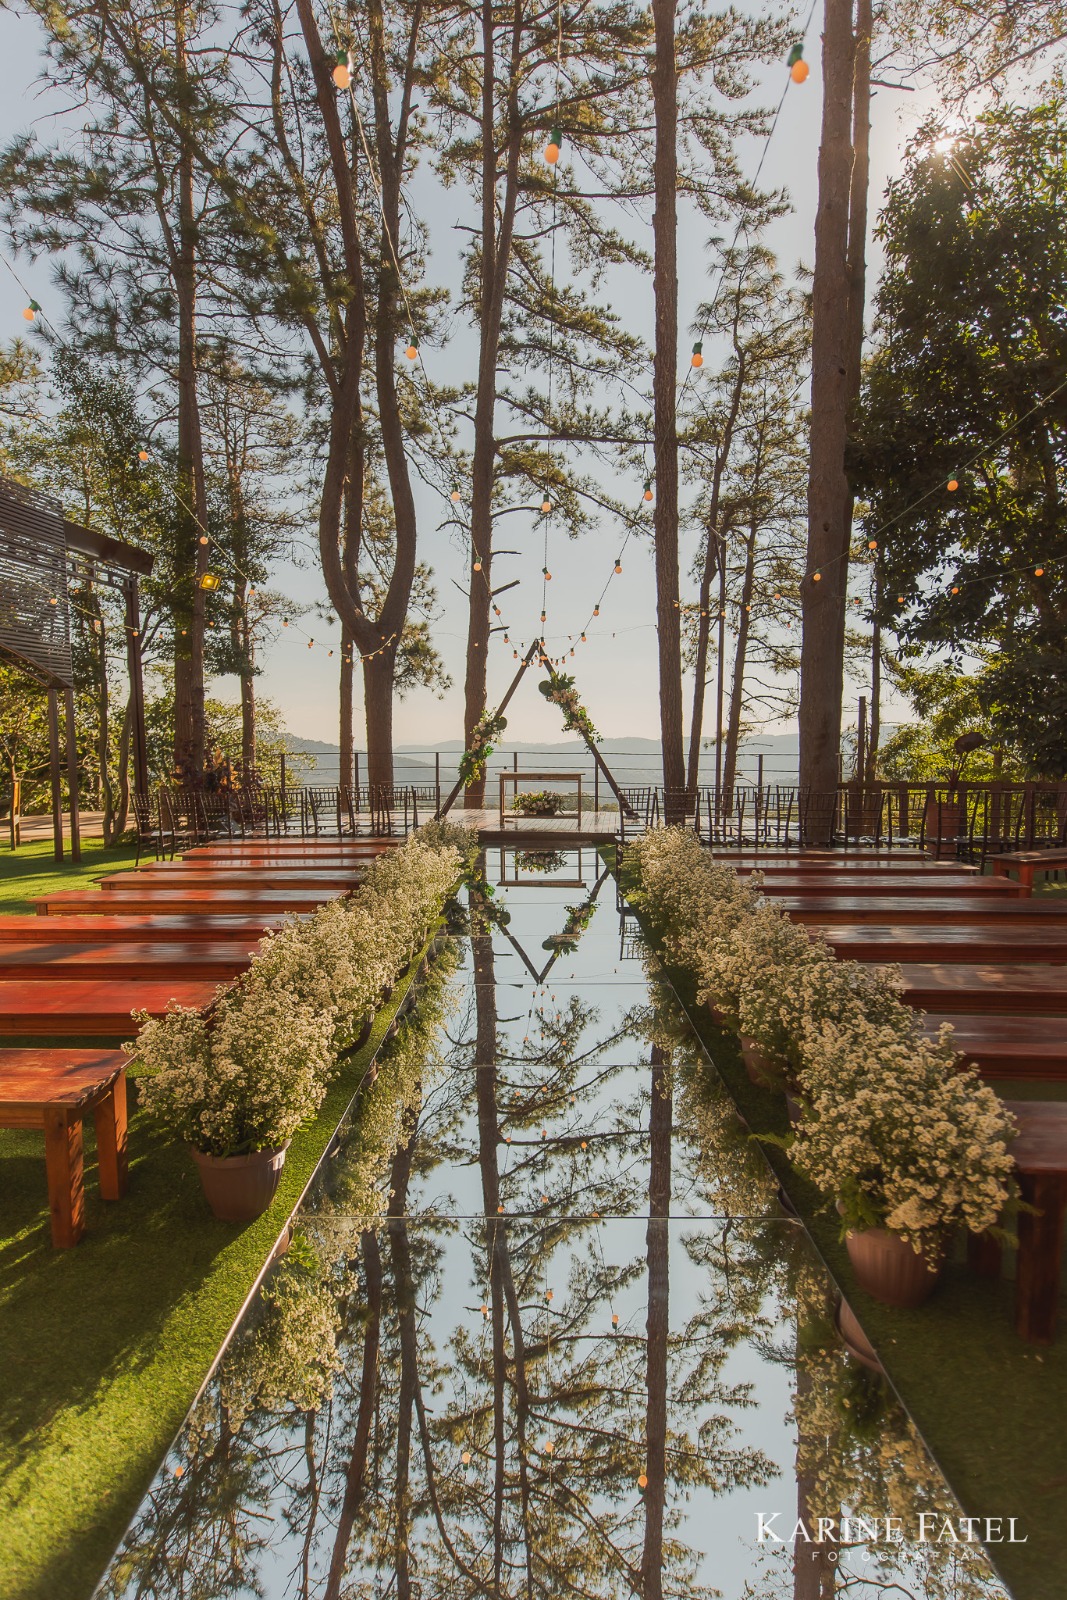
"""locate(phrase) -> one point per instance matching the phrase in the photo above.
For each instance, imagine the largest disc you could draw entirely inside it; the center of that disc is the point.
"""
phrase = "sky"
(616, 668)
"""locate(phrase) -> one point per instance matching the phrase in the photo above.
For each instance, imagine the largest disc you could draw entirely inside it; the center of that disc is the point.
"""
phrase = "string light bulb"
(412, 351)
(546, 505)
(697, 358)
(142, 455)
(31, 311)
(203, 539)
(466, 1458)
(596, 611)
(648, 489)
(342, 72)
(547, 574)
(477, 566)
(816, 577)
(872, 544)
(1039, 572)
(618, 566)
(953, 485)
(555, 139)
(456, 497)
(799, 70)
(642, 1481)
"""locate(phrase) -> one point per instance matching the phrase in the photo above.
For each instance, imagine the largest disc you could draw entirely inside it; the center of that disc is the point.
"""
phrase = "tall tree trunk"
(823, 592)
(346, 736)
(700, 661)
(737, 686)
(248, 703)
(814, 1574)
(664, 386)
(190, 726)
(378, 673)
(494, 260)
(658, 1324)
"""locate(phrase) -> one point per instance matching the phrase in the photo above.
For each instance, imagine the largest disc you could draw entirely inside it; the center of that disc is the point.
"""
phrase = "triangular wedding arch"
(537, 653)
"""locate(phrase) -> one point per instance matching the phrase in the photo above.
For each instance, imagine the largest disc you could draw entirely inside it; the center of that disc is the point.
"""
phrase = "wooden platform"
(942, 907)
(548, 833)
(108, 930)
(899, 885)
(224, 875)
(971, 941)
(1022, 1046)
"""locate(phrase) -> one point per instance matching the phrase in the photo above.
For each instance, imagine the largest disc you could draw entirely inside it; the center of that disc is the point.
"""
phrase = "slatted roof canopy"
(34, 610)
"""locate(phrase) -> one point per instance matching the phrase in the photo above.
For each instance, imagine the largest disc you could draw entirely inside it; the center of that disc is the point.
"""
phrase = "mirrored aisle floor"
(581, 1351)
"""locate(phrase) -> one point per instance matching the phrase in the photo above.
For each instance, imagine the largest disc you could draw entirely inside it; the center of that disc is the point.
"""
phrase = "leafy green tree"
(961, 441)
(947, 704)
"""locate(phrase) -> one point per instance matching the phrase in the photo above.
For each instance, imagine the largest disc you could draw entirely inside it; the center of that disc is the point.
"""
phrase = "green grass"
(31, 871)
(989, 1407)
(103, 1347)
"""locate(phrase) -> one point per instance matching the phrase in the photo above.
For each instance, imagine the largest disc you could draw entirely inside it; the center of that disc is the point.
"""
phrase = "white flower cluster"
(892, 1130)
(249, 1073)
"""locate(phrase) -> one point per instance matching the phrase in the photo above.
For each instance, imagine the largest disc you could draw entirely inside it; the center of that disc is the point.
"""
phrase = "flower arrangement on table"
(560, 689)
(486, 731)
(540, 860)
(890, 1130)
(241, 1078)
(539, 803)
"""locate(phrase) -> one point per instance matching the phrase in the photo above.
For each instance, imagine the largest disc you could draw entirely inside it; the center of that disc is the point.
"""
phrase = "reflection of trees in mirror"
(506, 1370)
(858, 1453)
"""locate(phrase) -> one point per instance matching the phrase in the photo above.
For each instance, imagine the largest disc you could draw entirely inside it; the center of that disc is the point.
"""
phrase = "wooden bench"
(939, 907)
(125, 961)
(75, 1008)
(108, 930)
(146, 900)
(873, 883)
(55, 1090)
(1040, 1155)
(1008, 1046)
(1012, 986)
(970, 940)
(1028, 862)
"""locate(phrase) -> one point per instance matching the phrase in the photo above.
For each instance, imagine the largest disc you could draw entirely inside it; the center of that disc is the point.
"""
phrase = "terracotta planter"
(240, 1188)
(766, 1070)
(943, 824)
(889, 1269)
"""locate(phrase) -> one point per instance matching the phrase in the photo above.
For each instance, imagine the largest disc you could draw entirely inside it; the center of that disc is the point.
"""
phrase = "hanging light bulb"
(1039, 572)
(142, 455)
(953, 485)
(799, 70)
(412, 350)
(547, 574)
(555, 139)
(618, 566)
(648, 488)
(477, 566)
(31, 311)
(642, 1481)
(466, 1458)
(697, 358)
(872, 544)
(544, 619)
(546, 505)
(816, 577)
(583, 638)
(596, 611)
(342, 72)
(456, 497)
(614, 1319)
(203, 538)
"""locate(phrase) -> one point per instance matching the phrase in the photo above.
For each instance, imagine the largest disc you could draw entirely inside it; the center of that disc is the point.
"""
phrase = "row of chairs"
(174, 819)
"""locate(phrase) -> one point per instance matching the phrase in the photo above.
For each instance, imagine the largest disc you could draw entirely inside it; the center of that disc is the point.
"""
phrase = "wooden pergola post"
(72, 777)
(136, 676)
(55, 771)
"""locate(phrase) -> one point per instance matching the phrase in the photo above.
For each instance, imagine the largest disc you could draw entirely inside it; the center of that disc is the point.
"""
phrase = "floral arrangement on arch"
(486, 732)
(560, 689)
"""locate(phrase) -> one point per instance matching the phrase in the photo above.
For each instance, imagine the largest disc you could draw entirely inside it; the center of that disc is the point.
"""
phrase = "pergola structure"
(40, 551)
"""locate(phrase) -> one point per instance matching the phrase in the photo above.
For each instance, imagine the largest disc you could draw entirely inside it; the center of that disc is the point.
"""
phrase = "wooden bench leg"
(109, 1115)
(63, 1161)
(984, 1255)
(1037, 1272)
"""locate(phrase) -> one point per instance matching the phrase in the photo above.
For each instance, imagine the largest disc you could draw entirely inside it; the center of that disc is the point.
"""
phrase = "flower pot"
(943, 825)
(763, 1069)
(240, 1188)
(794, 1108)
(717, 1015)
(889, 1269)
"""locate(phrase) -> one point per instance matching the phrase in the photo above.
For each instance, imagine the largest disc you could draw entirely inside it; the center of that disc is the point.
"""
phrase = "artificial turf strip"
(31, 871)
(104, 1347)
(989, 1407)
